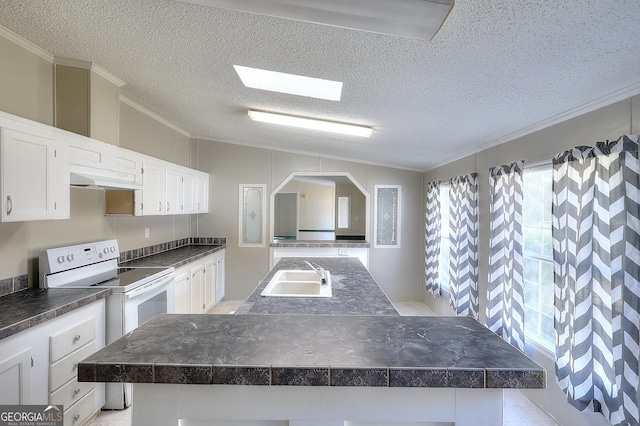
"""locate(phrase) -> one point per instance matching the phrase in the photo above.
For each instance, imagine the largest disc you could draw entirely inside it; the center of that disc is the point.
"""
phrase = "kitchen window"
(445, 239)
(538, 256)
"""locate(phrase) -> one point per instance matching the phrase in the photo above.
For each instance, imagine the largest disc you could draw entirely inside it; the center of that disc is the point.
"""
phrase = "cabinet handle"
(76, 338)
(168, 206)
(76, 392)
(76, 418)
(159, 206)
(9, 205)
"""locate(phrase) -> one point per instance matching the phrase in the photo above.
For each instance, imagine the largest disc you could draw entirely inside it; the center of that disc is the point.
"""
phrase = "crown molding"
(70, 62)
(153, 115)
(601, 102)
(97, 69)
(107, 75)
(26, 44)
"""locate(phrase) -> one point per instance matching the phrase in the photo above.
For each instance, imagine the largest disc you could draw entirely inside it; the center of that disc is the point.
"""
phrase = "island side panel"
(166, 405)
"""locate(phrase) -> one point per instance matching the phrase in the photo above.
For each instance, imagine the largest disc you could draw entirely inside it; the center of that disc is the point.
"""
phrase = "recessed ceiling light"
(310, 123)
(292, 84)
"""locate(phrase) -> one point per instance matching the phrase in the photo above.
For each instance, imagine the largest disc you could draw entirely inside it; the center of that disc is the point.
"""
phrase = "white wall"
(606, 123)
(398, 270)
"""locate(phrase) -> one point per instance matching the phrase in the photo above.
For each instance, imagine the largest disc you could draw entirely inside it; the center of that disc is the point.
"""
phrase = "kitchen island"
(355, 292)
(321, 369)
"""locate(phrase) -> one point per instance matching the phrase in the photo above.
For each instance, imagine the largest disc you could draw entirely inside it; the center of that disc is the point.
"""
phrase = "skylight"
(291, 84)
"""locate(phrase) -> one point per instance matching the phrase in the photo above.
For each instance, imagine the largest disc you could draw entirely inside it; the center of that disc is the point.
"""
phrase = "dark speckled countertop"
(175, 257)
(357, 339)
(28, 308)
(354, 290)
(314, 350)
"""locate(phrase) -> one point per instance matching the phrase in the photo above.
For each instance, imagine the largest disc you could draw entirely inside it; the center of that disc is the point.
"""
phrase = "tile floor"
(518, 409)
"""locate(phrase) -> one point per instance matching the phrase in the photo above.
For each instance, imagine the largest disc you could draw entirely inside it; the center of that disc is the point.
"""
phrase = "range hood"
(94, 178)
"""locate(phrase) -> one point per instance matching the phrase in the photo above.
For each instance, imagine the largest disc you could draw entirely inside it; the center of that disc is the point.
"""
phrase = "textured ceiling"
(495, 69)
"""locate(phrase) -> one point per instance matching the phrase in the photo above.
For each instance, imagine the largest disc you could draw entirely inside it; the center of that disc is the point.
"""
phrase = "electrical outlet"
(343, 252)
(146, 232)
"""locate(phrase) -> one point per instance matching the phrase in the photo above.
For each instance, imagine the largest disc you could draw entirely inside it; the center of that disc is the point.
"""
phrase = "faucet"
(320, 271)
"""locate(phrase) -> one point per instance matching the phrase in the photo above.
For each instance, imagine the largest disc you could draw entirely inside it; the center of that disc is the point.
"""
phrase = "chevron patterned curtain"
(505, 298)
(596, 243)
(463, 233)
(432, 238)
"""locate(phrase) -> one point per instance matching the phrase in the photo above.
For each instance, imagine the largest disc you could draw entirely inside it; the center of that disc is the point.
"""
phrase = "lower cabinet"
(39, 365)
(15, 378)
(183, 291)
(200, 284)
(197, 289)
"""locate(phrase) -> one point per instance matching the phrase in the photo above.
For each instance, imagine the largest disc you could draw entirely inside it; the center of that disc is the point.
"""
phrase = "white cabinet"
(210, 275)
(183, 291)
(34, 176)
(173, 191)
(197, 289)
(67, 348)
(39, 365)
(220, 276)
(189, 193)
(36, 161)
(199, 285)
(89, 153)
(202, 193)
(15, 378)
(153, 189)
(214, 279)
(169, 189)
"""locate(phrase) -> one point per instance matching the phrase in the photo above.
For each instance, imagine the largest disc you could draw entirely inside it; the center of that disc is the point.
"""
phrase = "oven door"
(126, 311)
(145, 302)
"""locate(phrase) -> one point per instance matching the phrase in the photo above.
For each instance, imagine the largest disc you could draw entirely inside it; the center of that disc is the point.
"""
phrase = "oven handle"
(158, 282)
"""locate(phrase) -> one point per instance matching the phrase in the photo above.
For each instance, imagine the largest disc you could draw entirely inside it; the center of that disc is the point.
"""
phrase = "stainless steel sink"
(297, 283)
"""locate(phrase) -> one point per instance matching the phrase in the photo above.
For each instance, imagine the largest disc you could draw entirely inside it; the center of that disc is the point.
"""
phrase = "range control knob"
(106, 250)
(60, 259)
(70, 257)
(112, 249)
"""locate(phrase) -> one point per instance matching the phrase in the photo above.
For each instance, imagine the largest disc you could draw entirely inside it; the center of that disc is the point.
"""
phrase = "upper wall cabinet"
(96, 155)
(36, 162)
(202, 192)
(34, 176)
(169, 189)
(154, 184)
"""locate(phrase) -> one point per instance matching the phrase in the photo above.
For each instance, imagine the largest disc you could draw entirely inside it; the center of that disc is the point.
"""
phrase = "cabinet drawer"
(67, 368)
(70, 392)
(80, 412)
(67, 341)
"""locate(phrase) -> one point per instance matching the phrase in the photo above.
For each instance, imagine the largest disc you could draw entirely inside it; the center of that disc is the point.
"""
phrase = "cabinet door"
(27, 172)
(173, 191)
(202, 186)
(210, 275)
(220, 277)
(15, 378)
(197, 290)
(183, 293)
(153, 192)
(60, 181)
(190, 193)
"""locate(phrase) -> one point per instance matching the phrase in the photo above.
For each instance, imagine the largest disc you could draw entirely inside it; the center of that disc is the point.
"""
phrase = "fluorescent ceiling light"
(292, 84)
(419, 19)
(310, 123)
